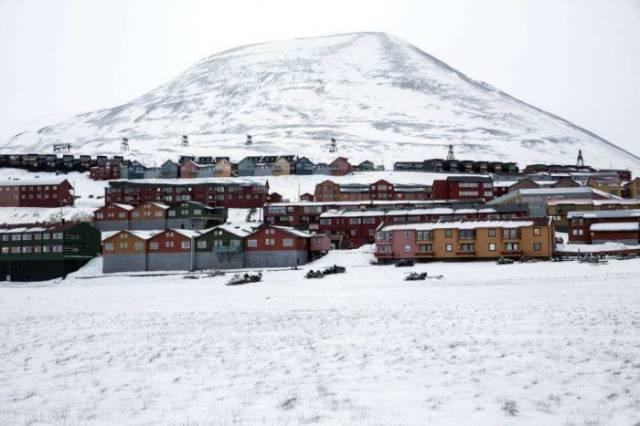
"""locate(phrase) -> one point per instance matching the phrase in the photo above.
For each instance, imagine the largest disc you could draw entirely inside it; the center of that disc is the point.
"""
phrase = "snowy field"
(540, 343)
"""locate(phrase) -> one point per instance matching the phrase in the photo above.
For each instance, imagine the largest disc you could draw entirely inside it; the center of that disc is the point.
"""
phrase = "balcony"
(511, 253)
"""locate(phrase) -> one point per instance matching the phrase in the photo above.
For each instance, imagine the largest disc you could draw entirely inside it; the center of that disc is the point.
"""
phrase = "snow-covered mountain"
(380, 97)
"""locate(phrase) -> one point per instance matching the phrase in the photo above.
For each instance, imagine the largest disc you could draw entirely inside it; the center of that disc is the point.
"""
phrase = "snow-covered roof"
(239, 180)
(239, 229)
(403, 212)
(293, 231)
(604, 214)
(459, 225)
(189, 233)
(551, 192)
(144, 235)
(586, 201)
(49, 180)
(123, 206)
(616, 226)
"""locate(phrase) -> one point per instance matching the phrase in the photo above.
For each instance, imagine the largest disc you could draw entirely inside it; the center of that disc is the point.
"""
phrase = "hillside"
(380, 97)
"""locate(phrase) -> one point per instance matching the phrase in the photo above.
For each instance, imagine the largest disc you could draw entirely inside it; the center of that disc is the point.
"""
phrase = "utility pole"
(580, 162)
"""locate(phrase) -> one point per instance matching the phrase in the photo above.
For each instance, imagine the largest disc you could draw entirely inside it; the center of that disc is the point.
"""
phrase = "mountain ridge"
(377, 94)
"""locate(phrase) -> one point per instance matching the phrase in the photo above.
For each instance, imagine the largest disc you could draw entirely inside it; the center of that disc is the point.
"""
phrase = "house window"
(202, 244)
(26, 249)
(16, 237)
(26, 237)
(425, 248)
(154, 245)
(448, 248)
(407, 234)
(45, 249)
(448, 233)
(186, 245)
(492, 246)
(46, 236)
(15, 249)
(57, 249)
(467, 248)
(252, 243)
(168, 243)
(99, 216)
(407, 248)
(466, 234)
(122, 215)
(124, 245)
(37, 249)
(491, 232)
(287, 242)
(354, 221)
(510, 234)
(384, 249)
(512, 247)
(108, 246)
(5, 237)
(537, 246)
(425, 235)
(57, 235)
(537, 231)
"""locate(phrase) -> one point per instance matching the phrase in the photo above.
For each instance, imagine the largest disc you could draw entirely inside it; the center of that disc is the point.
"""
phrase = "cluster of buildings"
(224, 246)
(190, 167)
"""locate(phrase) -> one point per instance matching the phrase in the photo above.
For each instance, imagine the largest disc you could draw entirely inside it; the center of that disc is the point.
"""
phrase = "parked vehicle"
(246, 278)
(335, 269)
(415, 276)
(404, 263)
(314, 274)
(504, 261)
(593, 259)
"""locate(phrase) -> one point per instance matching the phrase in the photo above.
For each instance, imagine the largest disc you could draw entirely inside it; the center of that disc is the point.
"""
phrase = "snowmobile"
(246, 278)
(504, 261)
(415, 276)
(314, 274)
(335, 269)
(403, 263)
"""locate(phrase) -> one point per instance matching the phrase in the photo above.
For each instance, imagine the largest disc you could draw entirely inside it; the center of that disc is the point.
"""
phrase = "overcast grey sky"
(579, 59)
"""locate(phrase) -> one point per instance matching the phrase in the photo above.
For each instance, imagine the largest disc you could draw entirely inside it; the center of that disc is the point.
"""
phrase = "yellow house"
(281, 167)
(223, 168)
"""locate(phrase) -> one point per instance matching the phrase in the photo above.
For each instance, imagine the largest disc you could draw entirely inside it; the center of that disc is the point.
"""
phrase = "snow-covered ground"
(535, 343)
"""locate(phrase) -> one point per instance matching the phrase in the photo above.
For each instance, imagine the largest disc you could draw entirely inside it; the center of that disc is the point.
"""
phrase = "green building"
(39, 252)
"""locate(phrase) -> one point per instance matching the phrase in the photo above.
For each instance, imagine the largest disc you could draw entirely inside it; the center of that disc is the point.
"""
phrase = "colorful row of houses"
(156, 215)
(206, 167)
(225, 246)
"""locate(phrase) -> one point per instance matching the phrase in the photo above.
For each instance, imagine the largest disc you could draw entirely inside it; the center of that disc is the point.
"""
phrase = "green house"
(195, 215)
(222, 247)
(46, 251)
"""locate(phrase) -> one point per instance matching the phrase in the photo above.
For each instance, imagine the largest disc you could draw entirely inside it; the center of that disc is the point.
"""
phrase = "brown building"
(466, 240)
(588, 227)
(558, 209)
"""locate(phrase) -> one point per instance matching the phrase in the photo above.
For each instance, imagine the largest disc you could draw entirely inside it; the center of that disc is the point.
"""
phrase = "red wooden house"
(340, 167)
(279, 246)
(39, 192)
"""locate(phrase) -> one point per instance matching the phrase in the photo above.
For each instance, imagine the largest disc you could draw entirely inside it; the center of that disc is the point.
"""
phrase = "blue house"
(303, 166)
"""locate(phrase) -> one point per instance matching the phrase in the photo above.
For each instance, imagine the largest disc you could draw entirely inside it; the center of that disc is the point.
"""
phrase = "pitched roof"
(49, 180)
(603, 214)
(615, 226)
